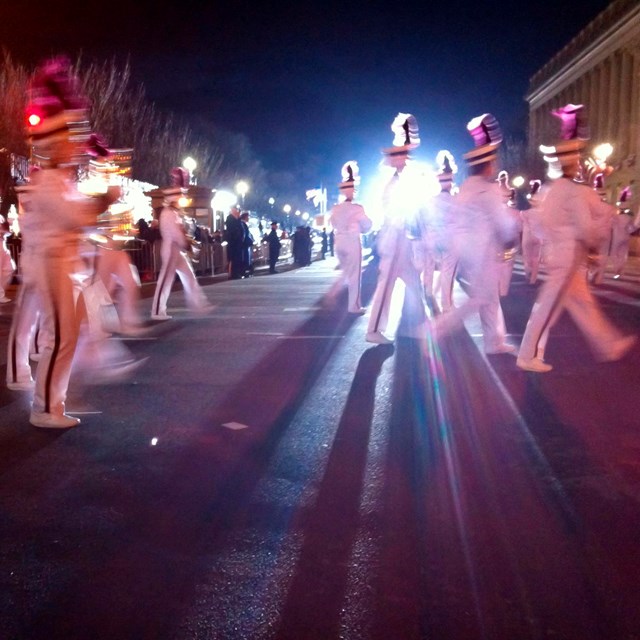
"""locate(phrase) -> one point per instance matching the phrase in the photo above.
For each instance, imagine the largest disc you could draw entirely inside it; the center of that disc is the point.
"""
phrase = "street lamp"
(241, 189)
(287, 211)
(272, 201)
(222, 201)
(190, 165)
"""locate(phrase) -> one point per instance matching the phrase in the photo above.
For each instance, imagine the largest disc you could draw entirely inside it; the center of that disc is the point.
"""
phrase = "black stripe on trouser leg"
(13, 343)
(54, 350)
(160, 290)
(385, 292)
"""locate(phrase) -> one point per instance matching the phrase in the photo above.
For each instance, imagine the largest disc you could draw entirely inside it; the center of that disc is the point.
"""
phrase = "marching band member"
(485, 227)
(58, 130)
(571, 215)
(531, 233)
(25, 320)
(173, 252)
(349, 220)
(401, 201)
(7, 264)
(621, 229)
(444, 203)
(112, 263)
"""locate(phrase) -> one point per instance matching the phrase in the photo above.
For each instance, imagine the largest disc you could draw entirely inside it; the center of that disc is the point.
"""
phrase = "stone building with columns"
(599, 68)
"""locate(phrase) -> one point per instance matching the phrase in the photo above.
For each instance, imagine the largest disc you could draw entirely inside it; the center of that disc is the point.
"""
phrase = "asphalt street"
(267, 474)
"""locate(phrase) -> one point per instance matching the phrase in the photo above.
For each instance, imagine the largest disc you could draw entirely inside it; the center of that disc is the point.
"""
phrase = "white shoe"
(359, 311)
(5, 299)
(533, 364)
(619, 349)
(27, 385)
(52, 420)
(377, 338)
(501, 348)
(35, 356)
(160, 316)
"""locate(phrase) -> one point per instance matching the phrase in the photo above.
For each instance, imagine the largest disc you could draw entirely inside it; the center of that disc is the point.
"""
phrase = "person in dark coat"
(234, 237)
(247, 246)
(324, 247)
(274, 246)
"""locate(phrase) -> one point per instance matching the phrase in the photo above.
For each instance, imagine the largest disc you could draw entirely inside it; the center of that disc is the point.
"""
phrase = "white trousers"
(176, 262)
(349, 252)
(567, 288)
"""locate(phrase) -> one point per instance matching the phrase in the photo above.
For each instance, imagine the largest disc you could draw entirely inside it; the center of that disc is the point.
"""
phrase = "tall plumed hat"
(487, 136)
(446, 167)
(405, 135)
(350, 175)
(56, 106)
(574, 133)
(179, 183)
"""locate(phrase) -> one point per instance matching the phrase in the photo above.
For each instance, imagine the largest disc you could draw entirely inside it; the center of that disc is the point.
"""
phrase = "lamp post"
(241, 189)
(190, 165)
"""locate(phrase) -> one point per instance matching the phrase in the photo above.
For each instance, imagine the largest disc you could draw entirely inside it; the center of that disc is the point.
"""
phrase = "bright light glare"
(518, 181)
(189, 164)
(184, 202)
(223, 201)
(305, 216)
(242, 188)
(287, 208)
(154, 441)
(603, 151)
(272, 201)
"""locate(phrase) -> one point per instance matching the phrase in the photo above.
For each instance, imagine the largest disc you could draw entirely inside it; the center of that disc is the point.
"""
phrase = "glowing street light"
(272, 201)
(190, 165)
(241, 189)
(287, 209)
(517, 182)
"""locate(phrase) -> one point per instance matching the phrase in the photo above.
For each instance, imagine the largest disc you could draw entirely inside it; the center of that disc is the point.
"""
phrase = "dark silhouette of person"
(274, 246)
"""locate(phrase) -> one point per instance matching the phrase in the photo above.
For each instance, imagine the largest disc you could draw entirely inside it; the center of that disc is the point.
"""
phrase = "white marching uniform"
(572, 217)
(175, 261)
(27, 310)
(400, 203)
(122, 281)
(444, 203)
(58, 213)
(484, 227)
(621, 229)
(349, 220)
(7, 267)
(532, 236)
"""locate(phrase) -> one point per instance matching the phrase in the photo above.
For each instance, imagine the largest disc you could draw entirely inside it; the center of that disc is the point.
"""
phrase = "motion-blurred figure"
(571, 216)
(58, 131)
(7, 264)
(401, 201)
(485, 229)
(531, 232)
(173, 253)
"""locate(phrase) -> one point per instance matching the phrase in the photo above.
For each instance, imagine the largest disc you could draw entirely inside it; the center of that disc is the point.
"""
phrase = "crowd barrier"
(208, 259)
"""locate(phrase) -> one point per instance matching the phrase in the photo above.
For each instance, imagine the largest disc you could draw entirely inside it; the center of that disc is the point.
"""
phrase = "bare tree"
(121, 111)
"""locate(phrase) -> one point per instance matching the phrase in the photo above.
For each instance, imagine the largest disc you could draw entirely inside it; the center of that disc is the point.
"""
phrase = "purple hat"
(179, 183)
(405, 135)
(574, 133)
(56, 106)
(350, 175)
(487, 136)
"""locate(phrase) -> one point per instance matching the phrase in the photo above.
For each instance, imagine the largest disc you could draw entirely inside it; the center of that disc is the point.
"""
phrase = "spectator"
(274, 246)
(247, 246)
(233, 235)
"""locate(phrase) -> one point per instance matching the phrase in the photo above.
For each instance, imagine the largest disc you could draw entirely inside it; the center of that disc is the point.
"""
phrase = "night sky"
(313, 84)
